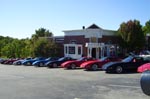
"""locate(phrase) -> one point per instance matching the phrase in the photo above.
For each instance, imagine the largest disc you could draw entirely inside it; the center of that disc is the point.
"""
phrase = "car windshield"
(128, 59)
(60, 59)
(48, 59)
(104, 58)
(80, 59)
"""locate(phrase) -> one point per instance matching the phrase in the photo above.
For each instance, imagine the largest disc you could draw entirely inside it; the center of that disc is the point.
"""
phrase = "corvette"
(97, 64)
(131, 63)
(57, 63)
(75, 63)
(40, 63)
(143, 67)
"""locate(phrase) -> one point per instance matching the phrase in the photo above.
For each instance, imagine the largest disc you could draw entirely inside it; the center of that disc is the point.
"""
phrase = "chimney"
(83, 27)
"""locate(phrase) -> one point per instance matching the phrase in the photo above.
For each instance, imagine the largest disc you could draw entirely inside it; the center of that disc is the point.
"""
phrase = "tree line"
(132, 37)
(39, 45)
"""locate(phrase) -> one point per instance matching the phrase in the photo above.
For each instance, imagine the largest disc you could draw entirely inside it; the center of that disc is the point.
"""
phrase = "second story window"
(93, 40)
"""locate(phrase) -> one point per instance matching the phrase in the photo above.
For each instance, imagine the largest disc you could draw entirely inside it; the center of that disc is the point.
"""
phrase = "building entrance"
(94, 52)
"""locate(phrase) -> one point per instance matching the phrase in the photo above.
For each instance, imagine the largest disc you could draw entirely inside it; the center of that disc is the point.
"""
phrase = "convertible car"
(57, 63)
(97, 64)
(75, 63)
(131, 63)
(143, 67)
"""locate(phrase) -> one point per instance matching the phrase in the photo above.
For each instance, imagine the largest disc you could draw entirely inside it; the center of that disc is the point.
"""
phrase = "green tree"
(42, 32)
(45, 48)
(146, 28)
(132, 35)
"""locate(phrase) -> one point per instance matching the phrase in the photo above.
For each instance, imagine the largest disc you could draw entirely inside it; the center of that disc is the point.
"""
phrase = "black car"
(57, 63)
(131, 63)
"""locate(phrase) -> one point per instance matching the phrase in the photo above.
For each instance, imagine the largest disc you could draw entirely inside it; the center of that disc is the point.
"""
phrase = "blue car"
(40, 63)
(19, 62)
(29, 62)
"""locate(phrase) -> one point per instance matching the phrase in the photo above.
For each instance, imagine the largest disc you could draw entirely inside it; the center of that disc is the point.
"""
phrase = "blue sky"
(20, 18)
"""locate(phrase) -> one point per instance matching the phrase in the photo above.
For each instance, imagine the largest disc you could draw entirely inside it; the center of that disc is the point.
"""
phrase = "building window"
(79, 50)
(72, 50)
(93, 40)
(73, 41)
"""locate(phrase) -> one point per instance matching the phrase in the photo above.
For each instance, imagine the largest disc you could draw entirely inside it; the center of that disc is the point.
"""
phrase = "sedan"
(143, 67)
(97, 64)
(131, 63)
(75, 63)
(57, 63)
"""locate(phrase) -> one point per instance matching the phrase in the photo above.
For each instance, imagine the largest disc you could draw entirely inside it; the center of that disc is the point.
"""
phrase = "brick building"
(92, 41)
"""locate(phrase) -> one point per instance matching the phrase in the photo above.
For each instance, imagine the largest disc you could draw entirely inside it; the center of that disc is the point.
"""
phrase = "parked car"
(41, 63)
(2, 61)
(97, 64)
(19, 62)
(10, 61)
(72, 64)
(57, 63)
(131, 63)
(30, 61)
(143, 67)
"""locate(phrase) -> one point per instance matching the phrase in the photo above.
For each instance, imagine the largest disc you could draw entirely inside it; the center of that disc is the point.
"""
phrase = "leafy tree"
(42, 32)
(146, 28)
(132, 35)
(45, 48)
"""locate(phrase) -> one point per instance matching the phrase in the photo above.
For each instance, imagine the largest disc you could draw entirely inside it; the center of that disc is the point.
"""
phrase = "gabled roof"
(93, 26)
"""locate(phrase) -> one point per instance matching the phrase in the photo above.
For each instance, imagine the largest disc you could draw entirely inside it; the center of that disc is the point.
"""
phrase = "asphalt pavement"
(29, 82)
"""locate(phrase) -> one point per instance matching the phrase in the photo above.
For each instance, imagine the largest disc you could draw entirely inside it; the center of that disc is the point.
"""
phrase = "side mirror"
(145, 82)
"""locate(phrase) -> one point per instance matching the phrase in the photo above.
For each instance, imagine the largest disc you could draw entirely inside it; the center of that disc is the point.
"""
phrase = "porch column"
(97, 53)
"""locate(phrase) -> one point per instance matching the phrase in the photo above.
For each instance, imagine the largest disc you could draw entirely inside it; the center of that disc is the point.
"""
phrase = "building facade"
(92, 41)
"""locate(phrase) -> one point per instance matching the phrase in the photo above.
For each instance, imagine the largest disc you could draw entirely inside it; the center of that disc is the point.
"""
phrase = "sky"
(20, 18)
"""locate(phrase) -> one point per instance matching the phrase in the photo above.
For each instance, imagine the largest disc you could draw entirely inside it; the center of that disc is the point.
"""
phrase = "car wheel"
(55, 65)
(94, 67)
(119, 69)
(10, 63)
(28, 63)
(41, 64)
(73, 66)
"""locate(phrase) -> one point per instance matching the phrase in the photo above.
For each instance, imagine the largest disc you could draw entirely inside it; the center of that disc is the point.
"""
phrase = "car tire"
(28, 64)
(55, 65)
(94, 67)
(119, 69)
(73, 66)
(145, 82)
(41, 64)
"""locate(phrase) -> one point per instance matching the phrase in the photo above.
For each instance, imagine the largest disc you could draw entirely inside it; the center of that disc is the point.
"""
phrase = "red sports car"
(75, 63)
(143, 67)
(96, 64)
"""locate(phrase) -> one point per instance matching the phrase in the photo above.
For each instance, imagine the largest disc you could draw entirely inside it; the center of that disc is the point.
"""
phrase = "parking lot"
(28, 82)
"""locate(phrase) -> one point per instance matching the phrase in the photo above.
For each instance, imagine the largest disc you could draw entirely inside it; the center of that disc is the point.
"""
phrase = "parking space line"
(124, 86)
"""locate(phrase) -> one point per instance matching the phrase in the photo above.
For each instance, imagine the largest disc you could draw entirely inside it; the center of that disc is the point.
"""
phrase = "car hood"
(105, 66)
(50, 62)
(89, 62)
(68, 62)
